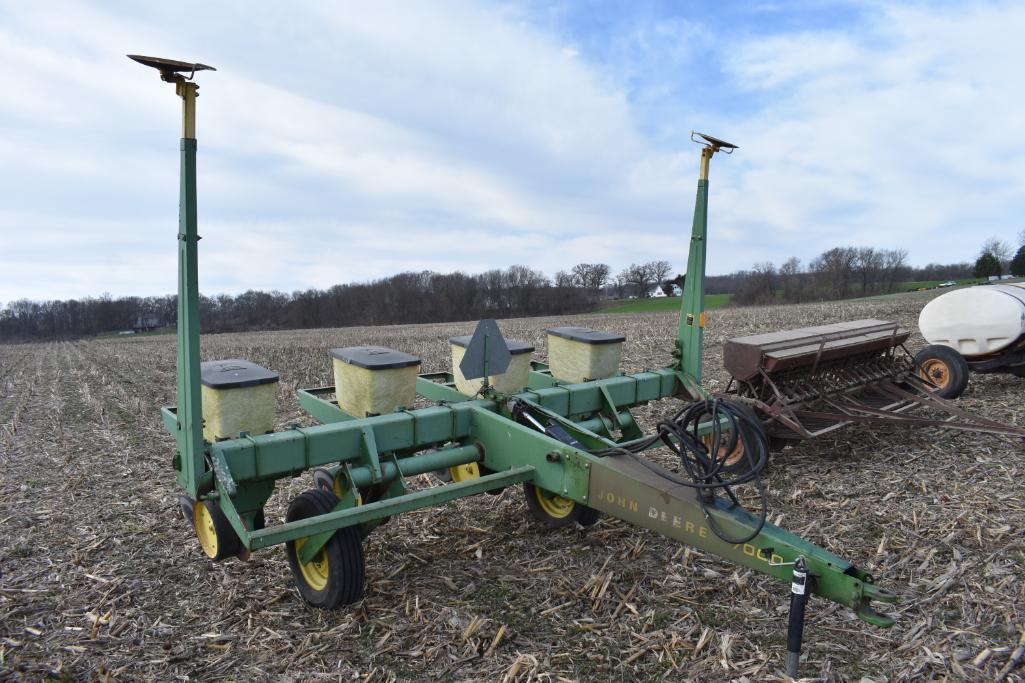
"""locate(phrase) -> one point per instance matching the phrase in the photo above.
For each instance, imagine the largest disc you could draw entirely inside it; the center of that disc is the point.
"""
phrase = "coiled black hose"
(708, 469)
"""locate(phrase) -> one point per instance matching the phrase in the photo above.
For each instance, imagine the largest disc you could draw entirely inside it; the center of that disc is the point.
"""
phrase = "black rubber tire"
(588, 516)
(579, 514)
(228, 544)
(952, 362)
(185, 504)
(346, 567)
(1018, 371)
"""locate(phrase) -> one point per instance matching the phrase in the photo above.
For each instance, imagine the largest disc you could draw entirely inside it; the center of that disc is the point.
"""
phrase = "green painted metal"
(540, 377)
(418, 464)
(690, 336)
(190, 410)
(439, 386)
(323, 410)
(623, 488)
(385, 508)
(290, 452)
(426, 461)
(509, 444)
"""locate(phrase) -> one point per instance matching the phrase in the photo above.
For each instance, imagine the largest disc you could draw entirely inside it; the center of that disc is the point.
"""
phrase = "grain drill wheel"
(944, 367)
(555, 510)
(735, 462)
(335, 576)
(216, 537)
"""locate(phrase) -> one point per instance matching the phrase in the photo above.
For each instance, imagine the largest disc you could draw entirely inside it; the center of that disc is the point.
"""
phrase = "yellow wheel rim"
(731, 459)
(554, 506)
(206, 532)
(464, 472)
(936, 371)
(315, 572)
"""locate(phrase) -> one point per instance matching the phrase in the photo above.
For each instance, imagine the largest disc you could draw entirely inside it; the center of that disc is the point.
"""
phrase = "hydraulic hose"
(708, 469)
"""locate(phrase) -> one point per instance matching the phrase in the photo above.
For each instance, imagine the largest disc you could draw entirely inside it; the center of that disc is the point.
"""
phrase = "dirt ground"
(103, 580)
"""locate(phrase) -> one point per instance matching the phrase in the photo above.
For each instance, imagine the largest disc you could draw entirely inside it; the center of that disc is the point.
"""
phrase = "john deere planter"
(571, 444)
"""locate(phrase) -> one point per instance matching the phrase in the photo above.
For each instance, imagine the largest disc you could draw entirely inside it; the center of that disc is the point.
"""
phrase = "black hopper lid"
(374, 357)
(234, 373)
(586, 335)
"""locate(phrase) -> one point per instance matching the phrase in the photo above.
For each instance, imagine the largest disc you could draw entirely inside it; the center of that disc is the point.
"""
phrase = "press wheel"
(335, 575)
(555, 510)
(216, 537)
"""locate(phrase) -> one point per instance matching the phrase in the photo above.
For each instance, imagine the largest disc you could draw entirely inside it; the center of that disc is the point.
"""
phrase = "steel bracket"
(223, 473)
(368, 453)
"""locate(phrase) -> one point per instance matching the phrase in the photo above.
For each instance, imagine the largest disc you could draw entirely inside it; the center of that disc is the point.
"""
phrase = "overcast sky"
(342, 142)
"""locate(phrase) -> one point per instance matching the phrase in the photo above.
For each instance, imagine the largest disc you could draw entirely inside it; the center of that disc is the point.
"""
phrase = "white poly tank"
(976, 320)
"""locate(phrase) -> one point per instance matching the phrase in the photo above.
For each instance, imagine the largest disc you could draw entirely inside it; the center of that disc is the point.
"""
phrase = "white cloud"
(342, 142)
(907, 133)
(399, 121)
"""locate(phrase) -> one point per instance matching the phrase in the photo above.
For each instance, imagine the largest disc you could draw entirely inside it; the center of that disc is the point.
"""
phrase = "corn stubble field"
(102, 579)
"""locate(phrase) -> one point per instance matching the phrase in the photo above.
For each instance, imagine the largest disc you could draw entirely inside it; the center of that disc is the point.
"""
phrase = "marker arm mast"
(190, 409)
(690, 336)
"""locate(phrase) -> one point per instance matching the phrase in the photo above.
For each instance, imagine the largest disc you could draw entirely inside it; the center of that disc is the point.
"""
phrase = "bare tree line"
(836, 273)
(419, 297)
(414, 297)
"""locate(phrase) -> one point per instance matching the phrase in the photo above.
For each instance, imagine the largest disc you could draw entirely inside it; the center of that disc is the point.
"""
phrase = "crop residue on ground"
(101, 577)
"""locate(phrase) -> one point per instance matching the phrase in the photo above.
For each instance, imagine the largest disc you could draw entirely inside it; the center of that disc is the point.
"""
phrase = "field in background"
(713, 301)
(102, 579)
(932, 284)
(669, 303)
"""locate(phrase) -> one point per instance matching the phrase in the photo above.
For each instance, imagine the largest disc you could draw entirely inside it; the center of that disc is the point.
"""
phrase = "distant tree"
(564, 279)
(660, 271)
(894, 268)
(987, 264)
(619, 285)
(789, 277)
(591, 276)
(1021, 237)
(640, 277)
(1018, 262)
(998, 248)
(867, 263)
(760, 286)
(834, 269)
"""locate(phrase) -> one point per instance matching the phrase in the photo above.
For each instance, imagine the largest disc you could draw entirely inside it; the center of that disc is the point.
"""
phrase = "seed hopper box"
(579, 354)
(516, 376)
(374, 380)
(238, 396)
